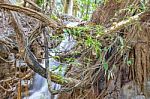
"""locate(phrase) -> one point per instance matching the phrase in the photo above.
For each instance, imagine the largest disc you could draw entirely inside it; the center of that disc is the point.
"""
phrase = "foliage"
(85, 7)
(98, 55)
(40, 2)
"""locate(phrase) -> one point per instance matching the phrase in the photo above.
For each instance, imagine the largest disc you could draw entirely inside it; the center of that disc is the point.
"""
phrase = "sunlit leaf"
(105, 65)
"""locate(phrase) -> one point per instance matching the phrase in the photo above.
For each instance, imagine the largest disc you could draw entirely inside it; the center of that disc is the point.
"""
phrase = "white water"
(39, 89)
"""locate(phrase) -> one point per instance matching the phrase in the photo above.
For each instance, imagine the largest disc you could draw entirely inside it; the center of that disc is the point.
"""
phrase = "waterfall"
(39, 89)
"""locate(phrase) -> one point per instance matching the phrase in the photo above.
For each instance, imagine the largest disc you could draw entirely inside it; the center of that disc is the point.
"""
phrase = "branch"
(31, 60)
(123, 23)
(34, 65)
(30, 12)
(16, 24)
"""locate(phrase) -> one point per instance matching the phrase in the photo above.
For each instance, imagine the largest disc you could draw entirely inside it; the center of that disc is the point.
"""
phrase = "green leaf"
(56, 57)
(65, 30)
(105, 65)
(129, 62)
(89, 41)
(40, 2)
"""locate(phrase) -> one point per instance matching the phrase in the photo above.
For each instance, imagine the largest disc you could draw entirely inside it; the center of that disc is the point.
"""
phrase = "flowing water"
(39, 89)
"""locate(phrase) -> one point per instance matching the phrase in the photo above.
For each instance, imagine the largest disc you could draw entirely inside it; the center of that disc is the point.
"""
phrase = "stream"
(39, 89)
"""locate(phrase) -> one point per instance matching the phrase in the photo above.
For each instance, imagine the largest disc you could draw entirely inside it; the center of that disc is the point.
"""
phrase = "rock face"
(139, 97)
(130, 91)
(147, 90)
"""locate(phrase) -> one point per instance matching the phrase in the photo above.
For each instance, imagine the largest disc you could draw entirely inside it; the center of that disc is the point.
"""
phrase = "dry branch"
(31, 60)
(127, 22)
(34, 65)
(30, 12)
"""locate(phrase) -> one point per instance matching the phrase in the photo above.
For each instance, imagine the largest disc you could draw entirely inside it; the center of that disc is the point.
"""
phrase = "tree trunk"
(130, 81)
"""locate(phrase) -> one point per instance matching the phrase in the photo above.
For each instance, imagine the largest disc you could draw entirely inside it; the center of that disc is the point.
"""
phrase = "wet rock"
(139, 97)
(129, 90)
(147, 89)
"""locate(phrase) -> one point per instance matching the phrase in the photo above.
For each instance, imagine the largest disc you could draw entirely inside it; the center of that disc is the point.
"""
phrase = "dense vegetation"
(108, 55)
